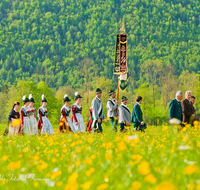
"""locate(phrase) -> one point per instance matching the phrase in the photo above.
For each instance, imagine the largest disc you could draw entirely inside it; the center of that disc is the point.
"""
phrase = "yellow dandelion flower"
(90, 140)
(150, 178)
(59, 183)
(191, 186)
(166, 186)
(136, 185)
(56, 174)
(4, 158)
(72, 178)
(77, 163)
(25, 149)
(88, 173)
(36, 157)
(102, 186)
(108, 156)
(190, 169)
(144, 168)
(88, 161)
(54, 160)
(35, 184)
(121, 146)
(64, 150)
(42, 166)
(86, 185)
(14, 165)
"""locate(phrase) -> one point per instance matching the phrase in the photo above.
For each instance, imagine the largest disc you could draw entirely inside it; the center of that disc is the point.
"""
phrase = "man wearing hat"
(97, 112)
(124, 114)
(112, 110)
(137, 120)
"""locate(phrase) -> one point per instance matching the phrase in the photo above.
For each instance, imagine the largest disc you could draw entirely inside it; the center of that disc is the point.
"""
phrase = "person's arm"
(40, 116)
(63, 112)
(121, 115)
(171, 110)
(95, 110)
(10, 116)
(111, 107)
(185, 109)
(74, 113)
(127, 117)
(22, 116)
(138, 114)
(133, 111)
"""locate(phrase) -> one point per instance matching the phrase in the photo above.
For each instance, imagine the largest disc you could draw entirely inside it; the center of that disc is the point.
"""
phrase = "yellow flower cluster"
(159, 159)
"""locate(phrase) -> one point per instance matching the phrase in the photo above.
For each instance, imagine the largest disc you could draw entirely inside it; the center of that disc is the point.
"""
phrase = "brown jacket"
(188, 110)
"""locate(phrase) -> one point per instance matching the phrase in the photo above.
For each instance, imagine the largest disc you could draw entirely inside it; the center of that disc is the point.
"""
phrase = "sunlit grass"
(158, 159)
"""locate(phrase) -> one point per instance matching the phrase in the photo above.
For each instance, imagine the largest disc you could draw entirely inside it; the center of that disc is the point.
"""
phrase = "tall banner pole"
(118, 92)
(120, 65)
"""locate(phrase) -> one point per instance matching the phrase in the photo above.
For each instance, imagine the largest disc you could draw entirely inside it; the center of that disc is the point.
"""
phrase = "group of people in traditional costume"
(182, 112)
(117, 115)
(28, 124)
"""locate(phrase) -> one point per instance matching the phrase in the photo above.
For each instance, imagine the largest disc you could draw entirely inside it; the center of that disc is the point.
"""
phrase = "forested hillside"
(47, 39)
(70, 45)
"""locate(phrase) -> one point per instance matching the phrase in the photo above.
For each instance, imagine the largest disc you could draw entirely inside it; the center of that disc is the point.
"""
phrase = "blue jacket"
(136, 115)
(175, 109)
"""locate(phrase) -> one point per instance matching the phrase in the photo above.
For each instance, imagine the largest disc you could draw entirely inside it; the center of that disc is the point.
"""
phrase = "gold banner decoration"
(120, 65)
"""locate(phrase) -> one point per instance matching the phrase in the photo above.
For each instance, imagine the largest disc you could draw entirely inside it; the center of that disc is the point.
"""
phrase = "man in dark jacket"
(175, 108)
(188, 111)
(137, 119)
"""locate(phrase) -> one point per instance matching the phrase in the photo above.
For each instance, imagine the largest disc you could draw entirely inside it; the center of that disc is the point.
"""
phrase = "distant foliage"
(47, 40)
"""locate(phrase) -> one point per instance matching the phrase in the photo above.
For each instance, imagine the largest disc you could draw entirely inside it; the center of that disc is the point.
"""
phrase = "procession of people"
(25, 122)
(182, 113)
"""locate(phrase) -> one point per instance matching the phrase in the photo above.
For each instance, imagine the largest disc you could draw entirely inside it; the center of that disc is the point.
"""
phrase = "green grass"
(157, 159)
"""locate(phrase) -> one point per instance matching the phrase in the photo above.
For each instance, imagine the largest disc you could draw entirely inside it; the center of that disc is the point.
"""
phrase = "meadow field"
(159, 159)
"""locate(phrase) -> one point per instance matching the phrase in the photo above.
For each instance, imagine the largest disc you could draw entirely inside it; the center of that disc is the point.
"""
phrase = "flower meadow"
(160, 159)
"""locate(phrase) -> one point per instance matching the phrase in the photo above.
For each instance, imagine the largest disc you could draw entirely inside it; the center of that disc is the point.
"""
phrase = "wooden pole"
(118, 92)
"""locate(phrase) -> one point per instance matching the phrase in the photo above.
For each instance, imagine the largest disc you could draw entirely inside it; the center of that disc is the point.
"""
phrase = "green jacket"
(136, 115)
(175, 109)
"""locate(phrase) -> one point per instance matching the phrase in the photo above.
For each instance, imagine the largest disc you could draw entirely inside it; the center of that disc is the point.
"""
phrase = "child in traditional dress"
(32, 116)
(89, 125)
(77, 118)
(44, 125)
(13, 120)
(65, 122)
(25, 117)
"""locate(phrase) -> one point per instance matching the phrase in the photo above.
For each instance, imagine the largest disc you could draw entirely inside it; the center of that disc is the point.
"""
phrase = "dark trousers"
(98, 127)
(113, 124)
(122, 126)
(139, 127)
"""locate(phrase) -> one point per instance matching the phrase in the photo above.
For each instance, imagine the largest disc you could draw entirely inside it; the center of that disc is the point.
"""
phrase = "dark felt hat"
(111, 92)
(98, 90)
(31, 98)
(43, 98)
(25, 99)
(66, 99)
(77, 95)
(124, 98)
